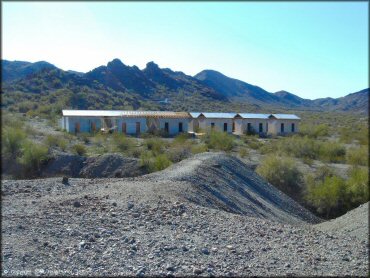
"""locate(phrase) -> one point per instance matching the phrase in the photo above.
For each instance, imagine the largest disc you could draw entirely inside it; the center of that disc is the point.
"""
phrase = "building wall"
(173, 125)
(243, 126)
(131, 125)
(205, 123)
(85, 123)
(275, 126)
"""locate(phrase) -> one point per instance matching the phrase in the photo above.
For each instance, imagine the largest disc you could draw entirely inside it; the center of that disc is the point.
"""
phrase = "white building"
(172, 123)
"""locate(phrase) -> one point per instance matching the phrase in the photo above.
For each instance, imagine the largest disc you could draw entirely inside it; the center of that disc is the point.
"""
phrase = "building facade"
(173, 123)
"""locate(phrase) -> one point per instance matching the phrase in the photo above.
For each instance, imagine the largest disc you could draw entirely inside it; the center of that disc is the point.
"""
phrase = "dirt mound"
(224, 182)
(111, 166)
(354, 223)
(63, 164)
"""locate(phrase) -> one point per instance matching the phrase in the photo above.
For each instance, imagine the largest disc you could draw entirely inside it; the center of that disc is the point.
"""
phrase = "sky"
(311, 49)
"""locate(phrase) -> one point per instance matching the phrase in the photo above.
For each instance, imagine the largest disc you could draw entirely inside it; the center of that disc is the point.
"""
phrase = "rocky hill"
(118, 86)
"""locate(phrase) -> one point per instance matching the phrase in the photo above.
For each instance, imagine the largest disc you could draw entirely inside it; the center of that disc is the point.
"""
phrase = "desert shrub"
(85, 137)
(199, 148)
(51, 140)
(79, 149)
(282, 173)
(161, 162)
(156, 145)
(219, 140)
(177, 154)
(154, 162)
(32, 156)
(243, 152)
(123, 143)
(358, 185)
(314, 131)
(12, 140)
(358, 156)
(252, 142)
(181, 138)
(328, 196)
(332, 152)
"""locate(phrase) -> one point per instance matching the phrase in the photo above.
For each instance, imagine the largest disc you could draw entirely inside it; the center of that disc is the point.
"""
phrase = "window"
(124, 128)
(212, 125)
(225, 126)
(282, 128)
(166, 127)
(180, 127)
(293, 127)
(267, 127)
(233, 127)
(260, 127)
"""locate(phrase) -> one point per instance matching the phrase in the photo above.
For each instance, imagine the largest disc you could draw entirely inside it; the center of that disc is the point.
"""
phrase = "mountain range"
(118, 86)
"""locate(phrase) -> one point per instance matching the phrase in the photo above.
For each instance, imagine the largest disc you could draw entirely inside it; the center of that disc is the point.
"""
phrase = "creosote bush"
(12, 140)
(282, 173)
(219, 140)
(123, 143)
(358, 156)
(32, 156)
(79, 149)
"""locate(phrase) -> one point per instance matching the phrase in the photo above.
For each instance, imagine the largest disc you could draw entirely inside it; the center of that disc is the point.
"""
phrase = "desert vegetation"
(323, 141)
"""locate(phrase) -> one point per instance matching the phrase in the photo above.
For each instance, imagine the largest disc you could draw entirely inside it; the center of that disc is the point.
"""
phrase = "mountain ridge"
(153, 82)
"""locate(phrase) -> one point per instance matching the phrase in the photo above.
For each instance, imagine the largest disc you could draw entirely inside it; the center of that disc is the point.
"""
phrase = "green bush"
(219, 140)
(79, 149)
(123, 143)
(282, 173)
(154, 162)
(358, 156)
(161, 162)
(156, 145)
(12, 140)
(243, 152)
(358, 185)
(332, 152)
(32, 156)
(199, 148)
(181, 138)
(314, 131)
(327, 196)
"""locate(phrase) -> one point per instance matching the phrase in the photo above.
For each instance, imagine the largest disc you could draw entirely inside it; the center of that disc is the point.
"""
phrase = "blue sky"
(312, 49)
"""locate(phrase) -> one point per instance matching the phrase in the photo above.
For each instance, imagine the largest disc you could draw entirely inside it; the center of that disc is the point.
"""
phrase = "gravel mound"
(224, 182)
(63, 164)
(110, 166)
(353, 223)
(161, 225)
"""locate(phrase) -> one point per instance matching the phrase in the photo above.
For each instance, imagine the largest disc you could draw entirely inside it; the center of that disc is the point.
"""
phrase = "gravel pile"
(102, 166)
(110, 166)
(354, 223)
(161, 224)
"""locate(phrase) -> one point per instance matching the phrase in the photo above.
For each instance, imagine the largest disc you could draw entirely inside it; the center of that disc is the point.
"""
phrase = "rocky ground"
(209, 215)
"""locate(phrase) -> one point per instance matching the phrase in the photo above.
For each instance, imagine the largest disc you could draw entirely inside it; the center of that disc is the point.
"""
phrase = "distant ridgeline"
(172, 123)
(45, 89)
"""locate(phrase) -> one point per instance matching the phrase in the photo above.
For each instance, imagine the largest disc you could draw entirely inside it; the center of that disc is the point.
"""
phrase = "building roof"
(194, 114)
(218, 115)
(121, 113)
(254, 116)
(286, 116)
